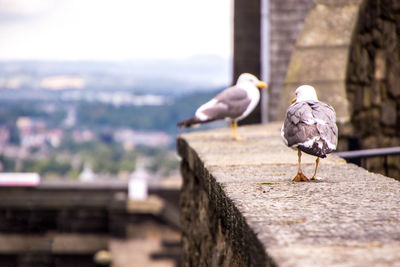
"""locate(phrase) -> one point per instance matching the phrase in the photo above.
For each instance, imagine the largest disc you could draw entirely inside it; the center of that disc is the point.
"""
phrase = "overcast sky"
(114, 29)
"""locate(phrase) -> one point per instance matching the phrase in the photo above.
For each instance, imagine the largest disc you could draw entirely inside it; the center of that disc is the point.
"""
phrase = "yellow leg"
(234, 127)
(316, 168)
(300, 176)
(299, 160)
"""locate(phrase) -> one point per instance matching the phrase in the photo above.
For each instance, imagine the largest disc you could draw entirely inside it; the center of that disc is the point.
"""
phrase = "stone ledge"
(239, 206)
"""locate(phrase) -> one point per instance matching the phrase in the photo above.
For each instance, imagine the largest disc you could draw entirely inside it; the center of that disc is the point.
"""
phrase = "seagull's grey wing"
(230, 103)
(233, 93)
(298, 126)
(325, 118)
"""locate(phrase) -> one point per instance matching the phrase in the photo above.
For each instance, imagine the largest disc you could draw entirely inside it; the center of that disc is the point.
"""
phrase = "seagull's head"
(247, 78)
(305, 93)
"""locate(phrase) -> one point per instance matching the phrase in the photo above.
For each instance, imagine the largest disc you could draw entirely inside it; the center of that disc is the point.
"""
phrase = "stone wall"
(373, 82)
(64, 224)
(239, 207)
(214, 233)
(286, 18)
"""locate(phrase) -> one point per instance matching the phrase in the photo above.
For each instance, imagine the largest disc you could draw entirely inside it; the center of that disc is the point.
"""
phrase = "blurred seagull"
(310, 126)
(232, 104)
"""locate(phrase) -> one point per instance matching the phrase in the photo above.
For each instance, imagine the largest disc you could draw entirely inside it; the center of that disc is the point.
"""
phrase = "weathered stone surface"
(322, 64)
(376, 97)
(352, 48)
(380, 65)
(338, 2)
(328, 26)
(245, 211)
(332, 93)
(286, 18)
(394, 80)
(322, 53)
(373, 71)
(388, 113)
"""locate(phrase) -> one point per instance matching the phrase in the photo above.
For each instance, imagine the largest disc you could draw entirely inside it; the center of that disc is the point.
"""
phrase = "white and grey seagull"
(232, 104)
(309, 126)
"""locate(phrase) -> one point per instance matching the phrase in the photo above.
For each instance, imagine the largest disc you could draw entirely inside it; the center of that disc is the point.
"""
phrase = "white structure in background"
(70, 120)
(87, 175)
(138, 185)
(19, 179)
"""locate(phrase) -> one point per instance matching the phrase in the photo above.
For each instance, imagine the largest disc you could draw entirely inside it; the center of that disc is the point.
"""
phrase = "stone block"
(393, 161)
(362, 65)
(389, 34)
(380, 65)
(357, 101)
(394, 172)
(367, 124)
(319, 64)
(290, 5)
(375, 164)
(389, 113)
(358, 120)
(394, 79)
(376, 98)
(396, 6)
(366, 98)
(328, 26)
(370, 142)
(338, 3)
(389, 131)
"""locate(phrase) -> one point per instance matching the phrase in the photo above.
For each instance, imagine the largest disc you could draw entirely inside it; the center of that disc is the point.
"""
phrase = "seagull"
(232, 104)
(310, 126)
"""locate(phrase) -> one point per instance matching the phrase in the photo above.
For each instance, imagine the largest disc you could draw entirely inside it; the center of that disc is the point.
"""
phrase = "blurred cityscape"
(70, 120)
(88, 166)
(90, 94)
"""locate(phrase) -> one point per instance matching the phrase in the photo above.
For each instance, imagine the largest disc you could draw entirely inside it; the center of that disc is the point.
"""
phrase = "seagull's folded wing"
(235, 100)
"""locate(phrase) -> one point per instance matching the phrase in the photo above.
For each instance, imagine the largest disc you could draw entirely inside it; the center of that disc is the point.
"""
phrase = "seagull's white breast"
(254, 94)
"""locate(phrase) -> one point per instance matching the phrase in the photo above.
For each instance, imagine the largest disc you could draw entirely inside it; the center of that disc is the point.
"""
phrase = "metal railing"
(355, 156)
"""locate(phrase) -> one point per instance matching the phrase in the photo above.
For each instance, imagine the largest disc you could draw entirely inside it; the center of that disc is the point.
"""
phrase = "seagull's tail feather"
(193, 121)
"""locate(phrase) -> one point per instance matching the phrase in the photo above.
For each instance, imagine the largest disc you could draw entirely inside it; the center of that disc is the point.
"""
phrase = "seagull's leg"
(316, 168)
(231, 125)
(300, 176)
(234, 127)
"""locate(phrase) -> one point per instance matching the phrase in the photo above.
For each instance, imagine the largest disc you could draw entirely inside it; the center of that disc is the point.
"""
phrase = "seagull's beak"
(262, 84)
(293, 100)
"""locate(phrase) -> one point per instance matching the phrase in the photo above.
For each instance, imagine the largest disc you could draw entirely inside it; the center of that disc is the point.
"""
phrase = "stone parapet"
(240, 208)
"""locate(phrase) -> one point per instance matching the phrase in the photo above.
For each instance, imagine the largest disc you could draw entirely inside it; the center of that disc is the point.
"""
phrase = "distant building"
(62, 82)
(34, 133)
(138, 185)
(19, 179)
(70, 119)
(87, 175)
(4, 135)
(82, 136)
(130, 138)
(54, 137)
